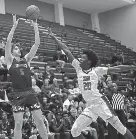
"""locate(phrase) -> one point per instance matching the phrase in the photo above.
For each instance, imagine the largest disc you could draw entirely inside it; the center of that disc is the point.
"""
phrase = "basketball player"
(23, 95)
(97, 105)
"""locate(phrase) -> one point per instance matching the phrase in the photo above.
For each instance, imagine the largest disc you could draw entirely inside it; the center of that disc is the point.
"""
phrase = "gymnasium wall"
(72, 17)
(19, 7)
(76, 18)
(120, 24)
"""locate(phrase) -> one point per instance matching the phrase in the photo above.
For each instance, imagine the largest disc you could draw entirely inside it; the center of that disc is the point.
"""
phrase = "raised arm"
(121, 68)
(63, 47)
(8, 55)
(34, 48)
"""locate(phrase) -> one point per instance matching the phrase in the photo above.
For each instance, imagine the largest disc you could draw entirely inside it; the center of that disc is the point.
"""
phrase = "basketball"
(32, 12)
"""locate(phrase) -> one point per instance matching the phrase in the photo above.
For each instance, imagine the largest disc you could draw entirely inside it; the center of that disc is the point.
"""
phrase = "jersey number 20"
(87, 85)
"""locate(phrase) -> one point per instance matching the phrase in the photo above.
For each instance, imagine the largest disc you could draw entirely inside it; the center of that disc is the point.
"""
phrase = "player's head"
(88, 59)
(16, 50)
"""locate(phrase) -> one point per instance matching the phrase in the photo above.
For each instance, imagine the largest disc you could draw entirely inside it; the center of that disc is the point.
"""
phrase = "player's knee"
(75, 131)
(115, 122)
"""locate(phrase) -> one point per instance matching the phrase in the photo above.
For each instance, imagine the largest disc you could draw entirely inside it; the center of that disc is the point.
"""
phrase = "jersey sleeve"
(100, 71)
(76, 65)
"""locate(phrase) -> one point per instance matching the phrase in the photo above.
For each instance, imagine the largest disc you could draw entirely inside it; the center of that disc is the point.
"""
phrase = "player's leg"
(34, 107)
(18, 113)
(37, 115)
(85, 119)
(106, 112)
(115, 122)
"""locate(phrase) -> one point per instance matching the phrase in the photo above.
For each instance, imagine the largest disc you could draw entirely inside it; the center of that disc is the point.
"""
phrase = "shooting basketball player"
(23, 95)
(97, 105)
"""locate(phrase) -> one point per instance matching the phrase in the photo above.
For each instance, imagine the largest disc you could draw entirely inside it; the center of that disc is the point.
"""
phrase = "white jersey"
(88, 81)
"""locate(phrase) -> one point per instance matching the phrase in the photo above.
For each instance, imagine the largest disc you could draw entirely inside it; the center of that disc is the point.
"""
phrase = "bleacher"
(76, 39)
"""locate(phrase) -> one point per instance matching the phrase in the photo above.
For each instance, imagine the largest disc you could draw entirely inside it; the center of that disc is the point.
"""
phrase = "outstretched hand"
(34, 22)
(50, 33)
(15, 20)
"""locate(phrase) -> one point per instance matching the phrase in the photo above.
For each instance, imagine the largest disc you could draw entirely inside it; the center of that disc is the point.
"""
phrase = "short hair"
(92, 56)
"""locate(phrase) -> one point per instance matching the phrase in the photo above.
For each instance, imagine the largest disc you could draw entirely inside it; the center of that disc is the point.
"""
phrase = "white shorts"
(102, 109)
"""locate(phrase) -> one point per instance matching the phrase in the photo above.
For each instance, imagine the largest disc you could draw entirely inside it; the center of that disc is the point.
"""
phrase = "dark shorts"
(30, 101)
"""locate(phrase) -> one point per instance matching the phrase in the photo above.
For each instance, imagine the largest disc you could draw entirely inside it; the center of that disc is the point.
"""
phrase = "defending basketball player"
(23, 95)
(97, 105)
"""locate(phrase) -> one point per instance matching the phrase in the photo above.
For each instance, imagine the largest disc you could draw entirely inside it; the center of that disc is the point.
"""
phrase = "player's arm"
(8, 55)
(34, 48)
(63, 47)
(121, 68)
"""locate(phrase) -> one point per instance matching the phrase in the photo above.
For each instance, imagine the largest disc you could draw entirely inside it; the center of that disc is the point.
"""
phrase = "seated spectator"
(35, 87)
(72, 115)
(60, 109)
(71, 87)
(5, 126)
(50, 134)
(48, 75)
(76, 90)
(55, 88)
(67, 121)
(26, 128)
(59, 125)
(55, 99)
(131, 88)
(3, 67)
(60, 58)
(69, 101)
(37, 75)
(35, 133)
(46, 87)
(51, 115)
(65, 93)
(2, 44)
(45, 104)
(79, 110)
(65, 82)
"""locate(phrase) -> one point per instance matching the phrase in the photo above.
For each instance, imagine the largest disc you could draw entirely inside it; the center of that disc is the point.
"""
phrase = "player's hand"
(15, 20)
(50, 33)
(34, 22)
